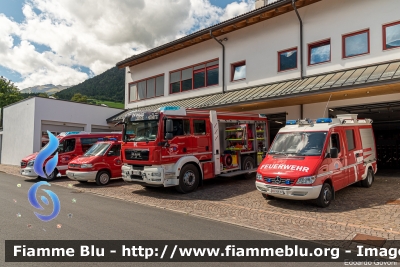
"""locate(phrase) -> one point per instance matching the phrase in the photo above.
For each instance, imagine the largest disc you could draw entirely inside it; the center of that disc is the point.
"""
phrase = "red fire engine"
(180, 147)
(311, 159)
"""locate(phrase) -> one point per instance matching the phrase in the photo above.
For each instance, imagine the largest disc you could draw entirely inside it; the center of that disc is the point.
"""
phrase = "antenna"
(323, 116)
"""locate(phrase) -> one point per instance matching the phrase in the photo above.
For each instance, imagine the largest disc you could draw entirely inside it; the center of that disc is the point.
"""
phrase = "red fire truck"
(179, 147)
(311, 159)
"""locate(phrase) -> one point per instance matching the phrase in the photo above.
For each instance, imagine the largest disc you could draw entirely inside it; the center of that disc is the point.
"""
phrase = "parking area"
(371, 211)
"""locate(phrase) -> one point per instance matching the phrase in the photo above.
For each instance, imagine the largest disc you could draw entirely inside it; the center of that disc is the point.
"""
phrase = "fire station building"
(288, 59)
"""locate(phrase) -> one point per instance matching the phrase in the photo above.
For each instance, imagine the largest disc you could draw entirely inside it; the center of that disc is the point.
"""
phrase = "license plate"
(277, 191)
(136, 172)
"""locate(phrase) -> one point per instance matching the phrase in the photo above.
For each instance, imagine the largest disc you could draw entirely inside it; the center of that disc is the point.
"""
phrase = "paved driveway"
(356, 210)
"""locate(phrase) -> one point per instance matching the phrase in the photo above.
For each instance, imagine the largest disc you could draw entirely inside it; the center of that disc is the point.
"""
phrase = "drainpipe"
(223, 62)
(301, 38)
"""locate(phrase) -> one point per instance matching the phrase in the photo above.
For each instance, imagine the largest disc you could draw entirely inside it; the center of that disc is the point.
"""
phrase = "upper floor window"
(148, 88)
(355, 44)
(319, 52)
(238, 71)
(287, 59)
(194, 77)
(391, 35)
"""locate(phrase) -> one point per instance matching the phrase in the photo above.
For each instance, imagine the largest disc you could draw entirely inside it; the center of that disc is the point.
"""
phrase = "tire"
(325, 196)
(50, 177)
(102, 178)
(367, 182)
(189, 179)
(248, 163)
(268, 197)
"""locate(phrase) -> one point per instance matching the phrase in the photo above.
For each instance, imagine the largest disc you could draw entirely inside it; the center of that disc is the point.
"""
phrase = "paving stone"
(355, 209)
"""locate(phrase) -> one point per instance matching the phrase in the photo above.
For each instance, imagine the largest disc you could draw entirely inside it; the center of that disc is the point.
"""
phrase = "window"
(87, 143)
(238, 71)
(350, 140)
(391, 35)
(199, 127)
(67, 145)
(116, 150)
(355, 44)
(145, 89)
(287, 60)
(181, 127)
(319, 52)
(195, 77)
(335, 141)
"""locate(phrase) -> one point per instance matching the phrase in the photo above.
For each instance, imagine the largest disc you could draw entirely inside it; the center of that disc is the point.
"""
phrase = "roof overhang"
(256, 16)
(364, 81)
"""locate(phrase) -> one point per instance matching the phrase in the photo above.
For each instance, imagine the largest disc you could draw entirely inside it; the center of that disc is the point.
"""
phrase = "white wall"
(18, 127)
(258, 45)
(23, 120)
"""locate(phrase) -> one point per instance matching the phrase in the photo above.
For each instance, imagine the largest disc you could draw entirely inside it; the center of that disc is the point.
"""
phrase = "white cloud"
(98, 33)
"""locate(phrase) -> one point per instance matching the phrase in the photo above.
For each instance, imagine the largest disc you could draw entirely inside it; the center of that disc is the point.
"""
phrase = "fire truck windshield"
(137, 131)
(298, 144)
(97, 149)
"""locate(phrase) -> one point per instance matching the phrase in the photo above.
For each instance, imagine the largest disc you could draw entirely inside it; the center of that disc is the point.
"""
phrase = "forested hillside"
(106, 86)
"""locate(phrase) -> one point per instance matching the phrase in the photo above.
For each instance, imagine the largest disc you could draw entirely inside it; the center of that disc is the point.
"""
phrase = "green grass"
(109, 103)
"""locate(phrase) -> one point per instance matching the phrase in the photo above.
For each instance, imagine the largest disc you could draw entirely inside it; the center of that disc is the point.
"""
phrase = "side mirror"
(110, 153)
(169, 136)
(333, 153)
(169, 127)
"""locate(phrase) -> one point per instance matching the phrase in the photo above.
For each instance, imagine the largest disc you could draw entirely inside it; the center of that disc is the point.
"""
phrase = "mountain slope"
(110, 85)
(47, 88)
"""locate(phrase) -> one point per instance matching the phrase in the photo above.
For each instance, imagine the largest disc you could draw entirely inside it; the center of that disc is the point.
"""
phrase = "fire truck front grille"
(275, 180)
(136, 154)
(23, 164)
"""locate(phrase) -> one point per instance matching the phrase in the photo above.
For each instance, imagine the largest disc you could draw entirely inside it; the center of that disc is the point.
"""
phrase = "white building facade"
(26, 123)
(344, 58)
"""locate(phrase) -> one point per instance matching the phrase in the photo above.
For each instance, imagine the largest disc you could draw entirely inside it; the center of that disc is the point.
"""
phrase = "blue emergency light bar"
(291, 122)
(169, 108)
(100, 139)
(324, 120)
(69, 133)
(113, 139)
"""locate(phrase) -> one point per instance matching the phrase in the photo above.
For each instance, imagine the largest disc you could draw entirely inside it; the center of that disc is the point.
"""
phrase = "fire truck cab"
(180, 147)
(311, 159)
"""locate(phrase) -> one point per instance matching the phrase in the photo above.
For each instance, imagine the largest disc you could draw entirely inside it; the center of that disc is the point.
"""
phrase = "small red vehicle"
(100, 163)
(71, 145)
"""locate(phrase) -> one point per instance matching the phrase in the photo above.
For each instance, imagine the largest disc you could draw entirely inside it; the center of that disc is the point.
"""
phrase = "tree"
(79, 98)
(8, 94)
(44, 95)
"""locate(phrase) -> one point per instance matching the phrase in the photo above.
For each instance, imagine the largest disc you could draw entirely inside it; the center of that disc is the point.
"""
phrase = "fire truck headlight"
(30, 163)
(158, 174)
(306, 180)
(259, 176)
(86, 165)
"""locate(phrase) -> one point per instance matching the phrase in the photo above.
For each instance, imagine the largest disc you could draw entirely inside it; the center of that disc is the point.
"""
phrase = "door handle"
(184, 149)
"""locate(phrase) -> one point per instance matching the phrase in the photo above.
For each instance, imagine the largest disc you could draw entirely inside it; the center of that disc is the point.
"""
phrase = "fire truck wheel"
(325, 197)
(102, 178)
(50, 177)
(248, 164)
(188, 179)
(367, 182)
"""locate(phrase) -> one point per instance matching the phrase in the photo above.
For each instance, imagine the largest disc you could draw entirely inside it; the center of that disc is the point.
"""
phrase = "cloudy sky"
(65, 42)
